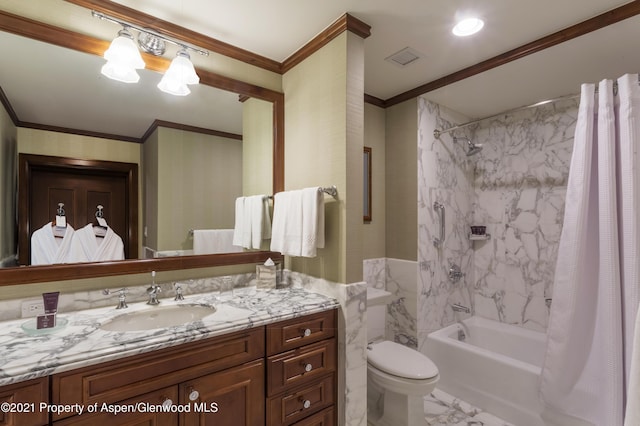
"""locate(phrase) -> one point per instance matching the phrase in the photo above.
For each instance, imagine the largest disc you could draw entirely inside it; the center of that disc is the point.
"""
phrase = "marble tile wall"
(519, 191)
(445, 175)
(516, 187)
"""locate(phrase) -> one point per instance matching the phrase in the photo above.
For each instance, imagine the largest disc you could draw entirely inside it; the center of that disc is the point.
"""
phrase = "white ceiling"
(278, 28)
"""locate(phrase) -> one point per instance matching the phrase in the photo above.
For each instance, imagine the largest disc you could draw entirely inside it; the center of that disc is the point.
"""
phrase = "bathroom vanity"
(266, 358)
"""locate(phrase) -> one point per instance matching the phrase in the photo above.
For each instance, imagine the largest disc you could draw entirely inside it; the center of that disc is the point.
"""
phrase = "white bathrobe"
(87, 247)
(47, 249)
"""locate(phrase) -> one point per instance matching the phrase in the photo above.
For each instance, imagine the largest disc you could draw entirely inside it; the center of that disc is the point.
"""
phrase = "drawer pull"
(306, 404)
(307, 367)
(306, 332)
(167, 403)
(193, 394)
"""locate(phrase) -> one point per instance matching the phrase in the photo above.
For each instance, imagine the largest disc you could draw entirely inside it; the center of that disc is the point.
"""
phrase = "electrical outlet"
(32, 308)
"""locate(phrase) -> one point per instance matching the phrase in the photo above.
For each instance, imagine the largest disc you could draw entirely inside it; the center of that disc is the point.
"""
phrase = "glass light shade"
(123, 58)
(468, 26)
(180, 73)
(173, 87)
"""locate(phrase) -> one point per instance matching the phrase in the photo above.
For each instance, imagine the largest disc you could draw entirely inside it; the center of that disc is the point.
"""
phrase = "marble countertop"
(82, 342)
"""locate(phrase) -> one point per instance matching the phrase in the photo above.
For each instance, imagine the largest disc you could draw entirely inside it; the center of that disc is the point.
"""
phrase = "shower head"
(472, 148)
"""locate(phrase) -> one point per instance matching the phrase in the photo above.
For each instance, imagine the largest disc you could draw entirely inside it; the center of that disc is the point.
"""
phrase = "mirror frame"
(69, 39)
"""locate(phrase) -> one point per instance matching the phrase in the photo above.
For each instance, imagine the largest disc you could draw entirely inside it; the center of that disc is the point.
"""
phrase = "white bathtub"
(496, 368)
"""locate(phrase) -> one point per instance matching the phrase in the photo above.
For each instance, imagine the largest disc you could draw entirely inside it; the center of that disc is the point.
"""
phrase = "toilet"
(403, 375)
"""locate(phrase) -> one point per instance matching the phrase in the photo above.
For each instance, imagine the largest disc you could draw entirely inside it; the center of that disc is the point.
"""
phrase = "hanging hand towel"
(312, 221)
(298, 222)
(240, 224)
(258, 206)
(286, 229)
(212, 241)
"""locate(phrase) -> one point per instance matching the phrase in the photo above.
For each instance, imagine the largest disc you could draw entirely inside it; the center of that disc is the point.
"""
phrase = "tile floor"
(442, 409)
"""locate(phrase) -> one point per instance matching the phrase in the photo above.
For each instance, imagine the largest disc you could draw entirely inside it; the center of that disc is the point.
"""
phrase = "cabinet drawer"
(293, 406)
(323, 418)
(300, 365)
(28, 395)
(139, 374)
(296, 332)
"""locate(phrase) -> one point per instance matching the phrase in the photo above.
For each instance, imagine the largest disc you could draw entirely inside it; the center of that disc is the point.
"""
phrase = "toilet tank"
(377, 300)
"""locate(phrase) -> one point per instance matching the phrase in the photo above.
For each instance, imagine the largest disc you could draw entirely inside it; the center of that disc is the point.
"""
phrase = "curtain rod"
(437, 132)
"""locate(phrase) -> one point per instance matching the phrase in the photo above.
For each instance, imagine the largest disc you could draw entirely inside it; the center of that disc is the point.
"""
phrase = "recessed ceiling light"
(468, 26)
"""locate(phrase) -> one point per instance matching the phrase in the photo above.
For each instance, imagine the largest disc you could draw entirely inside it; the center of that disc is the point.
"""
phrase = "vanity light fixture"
(468, 26)
(180, 73)
(123, 57)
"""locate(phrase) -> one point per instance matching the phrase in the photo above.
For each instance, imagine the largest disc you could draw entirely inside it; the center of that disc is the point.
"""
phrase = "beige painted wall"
(402, 181)
(8, 135)
(198, 179)
(257, 147)
(373, 234)
(324, 110)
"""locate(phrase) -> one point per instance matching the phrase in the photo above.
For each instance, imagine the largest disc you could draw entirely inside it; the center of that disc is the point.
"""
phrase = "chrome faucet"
(153, 291)
(122, 297)
(179, 295)
(463, 332)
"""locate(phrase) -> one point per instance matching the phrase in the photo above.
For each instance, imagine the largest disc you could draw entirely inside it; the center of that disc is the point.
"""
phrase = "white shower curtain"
(597, 282)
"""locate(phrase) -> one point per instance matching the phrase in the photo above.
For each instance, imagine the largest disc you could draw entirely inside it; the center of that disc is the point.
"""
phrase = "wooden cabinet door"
(24, 400)
(233, 397)
(145, 410)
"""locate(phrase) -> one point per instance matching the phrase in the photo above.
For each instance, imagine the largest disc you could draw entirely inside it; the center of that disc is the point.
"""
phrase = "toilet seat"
(400, 361)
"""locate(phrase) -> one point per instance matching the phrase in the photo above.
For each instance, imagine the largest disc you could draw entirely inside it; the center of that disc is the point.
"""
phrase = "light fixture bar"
(154, 33)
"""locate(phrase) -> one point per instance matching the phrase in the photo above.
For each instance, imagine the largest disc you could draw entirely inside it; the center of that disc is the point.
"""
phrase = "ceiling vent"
(404, 57)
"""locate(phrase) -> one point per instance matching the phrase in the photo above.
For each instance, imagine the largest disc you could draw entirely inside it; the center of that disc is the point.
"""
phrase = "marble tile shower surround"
(516, 186)
(519, 194)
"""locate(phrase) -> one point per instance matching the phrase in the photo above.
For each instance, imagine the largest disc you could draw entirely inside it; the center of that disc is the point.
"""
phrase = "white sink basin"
(158, 317)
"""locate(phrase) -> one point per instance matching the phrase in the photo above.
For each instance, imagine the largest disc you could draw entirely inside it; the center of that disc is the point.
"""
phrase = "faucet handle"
(178, 288)
(122, 296)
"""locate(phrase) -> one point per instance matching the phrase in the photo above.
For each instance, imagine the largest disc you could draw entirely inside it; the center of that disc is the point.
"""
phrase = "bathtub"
(496, 368)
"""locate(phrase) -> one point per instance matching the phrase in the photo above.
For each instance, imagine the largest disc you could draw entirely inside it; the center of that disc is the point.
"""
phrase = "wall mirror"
(221, 101)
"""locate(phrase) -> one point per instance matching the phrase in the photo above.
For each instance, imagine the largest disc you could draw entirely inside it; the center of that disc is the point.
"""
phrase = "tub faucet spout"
(460, 308)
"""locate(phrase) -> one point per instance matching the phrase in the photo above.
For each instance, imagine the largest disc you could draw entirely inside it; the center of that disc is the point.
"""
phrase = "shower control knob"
(193, 394)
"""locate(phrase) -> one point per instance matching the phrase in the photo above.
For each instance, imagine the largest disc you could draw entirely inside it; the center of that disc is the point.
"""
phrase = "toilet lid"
(398, 360)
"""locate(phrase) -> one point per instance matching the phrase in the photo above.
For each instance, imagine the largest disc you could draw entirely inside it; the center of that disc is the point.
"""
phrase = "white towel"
(286, 230)
(632, 416)
(258, 207)
(253, 222)
(211, 241)
(237, 230)
(312, 221)
(298, 222)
